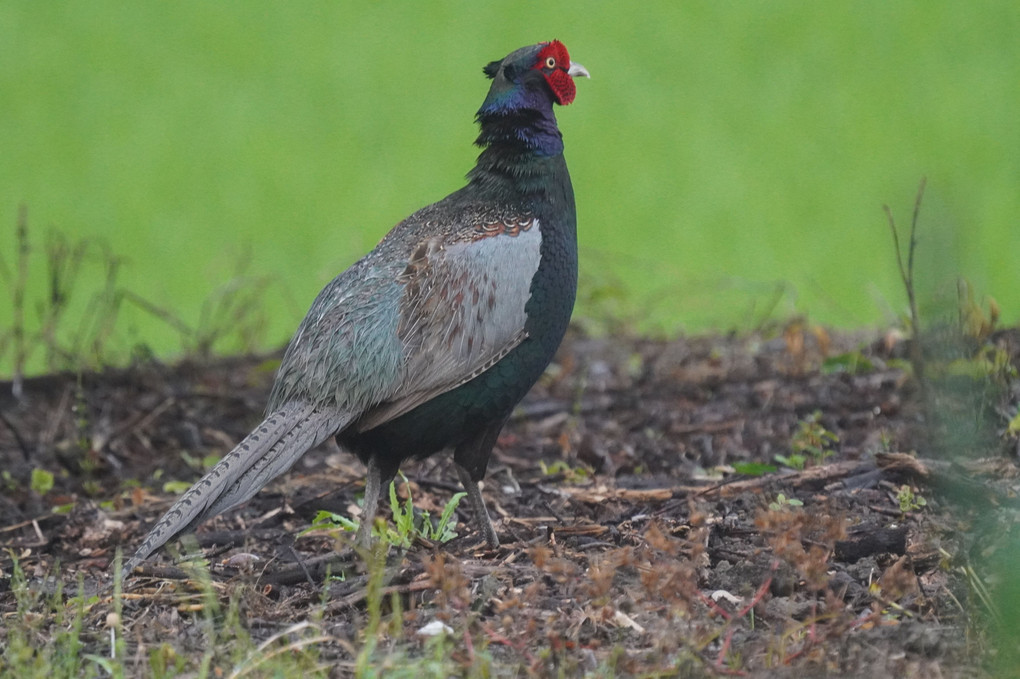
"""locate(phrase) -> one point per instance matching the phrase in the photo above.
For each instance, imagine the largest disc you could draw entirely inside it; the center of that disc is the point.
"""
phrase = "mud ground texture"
(642, 534)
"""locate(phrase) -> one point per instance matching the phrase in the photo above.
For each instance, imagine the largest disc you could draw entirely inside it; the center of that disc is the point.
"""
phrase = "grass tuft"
(61, 320)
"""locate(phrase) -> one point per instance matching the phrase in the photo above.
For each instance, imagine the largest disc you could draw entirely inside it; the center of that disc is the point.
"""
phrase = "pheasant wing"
(462, 309)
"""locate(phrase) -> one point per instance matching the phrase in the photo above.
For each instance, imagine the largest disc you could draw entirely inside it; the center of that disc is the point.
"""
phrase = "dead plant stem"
(907, 275)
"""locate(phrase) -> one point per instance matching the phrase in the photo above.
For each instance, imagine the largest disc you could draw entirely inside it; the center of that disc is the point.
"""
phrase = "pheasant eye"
(550, 62)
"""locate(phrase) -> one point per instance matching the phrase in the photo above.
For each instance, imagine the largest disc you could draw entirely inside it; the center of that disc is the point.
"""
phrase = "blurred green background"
(730, 160)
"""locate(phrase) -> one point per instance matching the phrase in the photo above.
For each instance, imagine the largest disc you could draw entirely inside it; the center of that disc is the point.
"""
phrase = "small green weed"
(42, 481)
(811, 442)
(405, 528)
(176, 487)
(782, 502)
(909, 500)
(753, 468)
(578, 474)
(793, 461)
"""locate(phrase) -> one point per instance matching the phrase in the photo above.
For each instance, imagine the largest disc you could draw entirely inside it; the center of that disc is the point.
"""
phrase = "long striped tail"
(268, 451)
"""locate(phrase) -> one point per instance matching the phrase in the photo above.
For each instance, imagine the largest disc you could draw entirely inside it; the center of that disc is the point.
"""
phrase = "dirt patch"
(630, 543)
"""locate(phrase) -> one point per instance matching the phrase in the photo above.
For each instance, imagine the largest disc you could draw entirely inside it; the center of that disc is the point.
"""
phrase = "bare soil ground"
(630, 544)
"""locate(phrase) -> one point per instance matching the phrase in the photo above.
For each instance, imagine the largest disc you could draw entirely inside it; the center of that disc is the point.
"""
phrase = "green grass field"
(724, 155)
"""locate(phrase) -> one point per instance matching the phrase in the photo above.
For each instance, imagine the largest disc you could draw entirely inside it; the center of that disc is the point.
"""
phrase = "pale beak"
(577, 69)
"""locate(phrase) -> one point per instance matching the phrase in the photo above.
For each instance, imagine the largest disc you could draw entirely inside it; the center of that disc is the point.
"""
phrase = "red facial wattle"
(554, 62)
